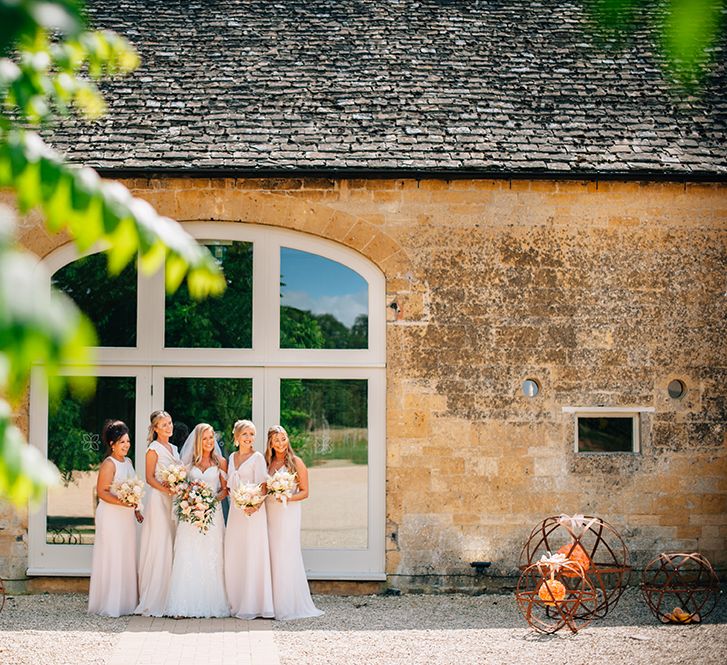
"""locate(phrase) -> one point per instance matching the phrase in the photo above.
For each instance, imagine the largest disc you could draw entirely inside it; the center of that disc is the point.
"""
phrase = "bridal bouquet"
(196, 503)
(129, 491)
(248, 495)
(282, 484)
(174, 475)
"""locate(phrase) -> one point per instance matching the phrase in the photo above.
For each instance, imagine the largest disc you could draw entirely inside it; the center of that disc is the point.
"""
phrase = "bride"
(196, 587)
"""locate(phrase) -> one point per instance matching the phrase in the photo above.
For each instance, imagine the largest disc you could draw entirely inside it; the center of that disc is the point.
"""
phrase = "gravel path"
(411, 630)
(55, 630)
(467, 630)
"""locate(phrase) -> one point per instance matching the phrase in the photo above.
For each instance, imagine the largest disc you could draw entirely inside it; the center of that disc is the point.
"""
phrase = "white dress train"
(157, 541)
(197, 584)
(247, 555)
(291, 595)
(113, 590)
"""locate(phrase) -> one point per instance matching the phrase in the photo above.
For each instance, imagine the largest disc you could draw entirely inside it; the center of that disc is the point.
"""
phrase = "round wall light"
(676, 389)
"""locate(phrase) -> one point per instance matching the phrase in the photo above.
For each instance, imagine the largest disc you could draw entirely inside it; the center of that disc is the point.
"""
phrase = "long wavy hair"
(198, 433)
(154, 418)
(289, 461)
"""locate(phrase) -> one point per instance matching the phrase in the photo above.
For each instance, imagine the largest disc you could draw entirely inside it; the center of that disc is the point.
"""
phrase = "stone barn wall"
(603, 292)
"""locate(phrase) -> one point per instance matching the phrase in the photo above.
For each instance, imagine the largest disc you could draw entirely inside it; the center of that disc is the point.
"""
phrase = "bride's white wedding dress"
(197, 586)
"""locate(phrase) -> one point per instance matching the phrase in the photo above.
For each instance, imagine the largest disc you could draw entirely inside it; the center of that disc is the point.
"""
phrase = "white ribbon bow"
(576, 524)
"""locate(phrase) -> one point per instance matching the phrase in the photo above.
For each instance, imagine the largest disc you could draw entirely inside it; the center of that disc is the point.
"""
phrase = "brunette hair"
(154, 418)
(289, 460)
(113, 430)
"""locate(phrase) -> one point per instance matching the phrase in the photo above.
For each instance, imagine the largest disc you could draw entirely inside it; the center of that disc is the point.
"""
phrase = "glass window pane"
(74, 446)
(605, 435)
(219, 402)
(327, 420)
(324, 304)
(110, 302)
(222, 322)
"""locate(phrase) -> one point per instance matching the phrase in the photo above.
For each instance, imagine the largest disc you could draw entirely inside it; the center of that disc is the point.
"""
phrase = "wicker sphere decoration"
(680, 588)
(591, 542)
(549, 599)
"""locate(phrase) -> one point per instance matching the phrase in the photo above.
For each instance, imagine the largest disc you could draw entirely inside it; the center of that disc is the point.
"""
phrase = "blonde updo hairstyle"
(289, 461)
(198, 433)
(154, 418)
(241, 425)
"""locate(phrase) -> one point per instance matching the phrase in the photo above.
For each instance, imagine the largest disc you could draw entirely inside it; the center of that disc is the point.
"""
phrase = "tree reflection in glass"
(109, 303)
(75, 447)
(327, 420)
(324, 304)
(221, 322)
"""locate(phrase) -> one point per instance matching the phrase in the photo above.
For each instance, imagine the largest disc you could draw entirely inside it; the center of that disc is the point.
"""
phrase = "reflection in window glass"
(75, 447)
(218, 402)
(221, 322)
(605, 434)
(324, 304)
(110, 302)
(327, 420)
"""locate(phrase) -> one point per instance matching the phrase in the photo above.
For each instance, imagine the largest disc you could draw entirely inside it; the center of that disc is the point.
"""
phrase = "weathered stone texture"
(603, 292)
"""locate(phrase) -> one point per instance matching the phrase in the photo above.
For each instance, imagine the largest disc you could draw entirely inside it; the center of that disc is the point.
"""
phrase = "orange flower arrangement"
(551, 591)
(575, 552)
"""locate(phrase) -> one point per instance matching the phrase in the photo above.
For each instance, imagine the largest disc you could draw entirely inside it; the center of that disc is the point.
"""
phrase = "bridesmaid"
(157, 533)
(247, 556)
(113, 590)
(291, 595)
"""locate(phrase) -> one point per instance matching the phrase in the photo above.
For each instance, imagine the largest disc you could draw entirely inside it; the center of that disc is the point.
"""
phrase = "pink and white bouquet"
(196, 503)
(174, 475)
(282, 484)
(130, 491)
(248, 495)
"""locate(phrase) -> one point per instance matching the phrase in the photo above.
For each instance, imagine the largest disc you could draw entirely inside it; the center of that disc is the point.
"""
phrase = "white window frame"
(366, 563)
(265, 361)
(634, 413)
(56, 559)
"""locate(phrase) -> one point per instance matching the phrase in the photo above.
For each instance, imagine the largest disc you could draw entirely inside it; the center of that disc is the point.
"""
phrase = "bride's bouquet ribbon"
(576, 524)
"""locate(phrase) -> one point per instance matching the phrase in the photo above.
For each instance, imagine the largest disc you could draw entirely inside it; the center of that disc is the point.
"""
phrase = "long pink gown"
(291, 595)
(247, 555)
(113, 590)
(157, 541)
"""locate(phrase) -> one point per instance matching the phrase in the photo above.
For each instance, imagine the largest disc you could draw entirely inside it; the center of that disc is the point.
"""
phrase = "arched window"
(298, 338)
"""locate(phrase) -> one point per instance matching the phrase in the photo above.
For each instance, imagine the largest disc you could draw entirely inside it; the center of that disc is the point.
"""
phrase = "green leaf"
(689, 32)
(152, 258)
(176, 268)
(24, 471)
(57, 206)
(50, 177)
(124, 241)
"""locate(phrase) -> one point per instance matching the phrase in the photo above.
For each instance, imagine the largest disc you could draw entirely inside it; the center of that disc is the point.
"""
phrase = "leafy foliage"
(49, 66)
(686, 31)
(301, 329)
(111, 307)
(218, 322)
(336, 409)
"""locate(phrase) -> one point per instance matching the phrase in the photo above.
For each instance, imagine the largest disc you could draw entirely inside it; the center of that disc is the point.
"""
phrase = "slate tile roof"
(463, 85)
